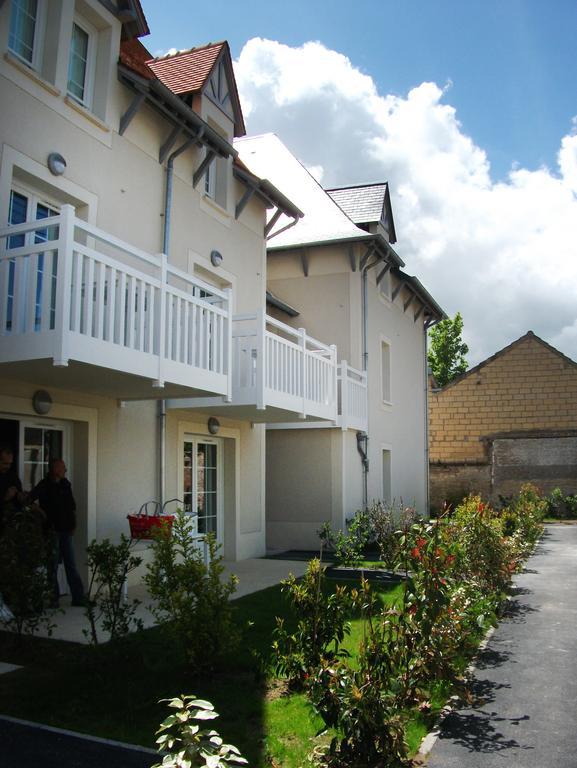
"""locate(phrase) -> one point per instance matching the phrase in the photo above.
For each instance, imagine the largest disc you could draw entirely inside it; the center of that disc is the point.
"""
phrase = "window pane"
(22, 28)
(78, 63)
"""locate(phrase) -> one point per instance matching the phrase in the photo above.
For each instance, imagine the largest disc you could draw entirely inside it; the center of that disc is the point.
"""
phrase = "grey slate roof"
(363, 204)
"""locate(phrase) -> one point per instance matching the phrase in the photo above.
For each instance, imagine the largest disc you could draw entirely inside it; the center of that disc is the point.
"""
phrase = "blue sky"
(467, 108)
(512, 64)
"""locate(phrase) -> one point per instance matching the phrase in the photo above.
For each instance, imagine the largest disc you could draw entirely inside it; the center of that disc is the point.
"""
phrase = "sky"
(468, 109)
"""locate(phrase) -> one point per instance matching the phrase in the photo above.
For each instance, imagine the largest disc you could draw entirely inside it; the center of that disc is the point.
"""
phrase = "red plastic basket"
(143, 526)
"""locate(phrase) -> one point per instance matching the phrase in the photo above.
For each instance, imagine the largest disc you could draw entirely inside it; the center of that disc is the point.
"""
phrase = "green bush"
(349, 546)
(24, 586)
(561, 506)
(186, 744)
(191, 598)
(321, 626)
(109, 566)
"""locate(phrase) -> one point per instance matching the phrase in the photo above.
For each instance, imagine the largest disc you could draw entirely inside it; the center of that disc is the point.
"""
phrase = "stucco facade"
(509, 420)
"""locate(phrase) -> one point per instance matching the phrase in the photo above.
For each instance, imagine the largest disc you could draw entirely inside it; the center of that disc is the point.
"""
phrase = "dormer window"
(80, 63)
(25, 36)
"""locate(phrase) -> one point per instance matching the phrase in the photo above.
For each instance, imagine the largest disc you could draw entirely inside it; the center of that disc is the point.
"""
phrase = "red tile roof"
(188, 71)
(134, 56)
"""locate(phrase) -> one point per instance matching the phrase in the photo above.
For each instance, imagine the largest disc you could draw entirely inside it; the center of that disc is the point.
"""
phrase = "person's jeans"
(63, 552)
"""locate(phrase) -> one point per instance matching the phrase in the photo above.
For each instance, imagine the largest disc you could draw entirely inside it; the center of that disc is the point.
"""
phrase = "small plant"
(24, 558)
(109, 566)
(561, 506)
(348, 547)
(384, 521)
(186, 744)
(191, 598)
(321, 628)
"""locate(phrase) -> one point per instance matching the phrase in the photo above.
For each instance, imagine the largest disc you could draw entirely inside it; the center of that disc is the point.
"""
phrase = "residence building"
(336, 273)
(133, 274)
(510, 420)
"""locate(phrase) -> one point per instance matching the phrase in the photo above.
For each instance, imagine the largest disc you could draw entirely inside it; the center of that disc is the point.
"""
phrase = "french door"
(39, 444)
(25, 207)
(201, 483)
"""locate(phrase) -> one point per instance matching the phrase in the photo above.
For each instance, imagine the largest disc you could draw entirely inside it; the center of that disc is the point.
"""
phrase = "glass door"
(39, 444)
(201, 484)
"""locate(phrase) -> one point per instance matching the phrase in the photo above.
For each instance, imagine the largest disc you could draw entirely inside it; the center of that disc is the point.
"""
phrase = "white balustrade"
(280, 366)
(353, 403)
(69, 290)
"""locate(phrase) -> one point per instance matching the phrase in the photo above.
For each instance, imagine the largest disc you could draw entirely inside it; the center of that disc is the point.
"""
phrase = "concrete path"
(524, 713)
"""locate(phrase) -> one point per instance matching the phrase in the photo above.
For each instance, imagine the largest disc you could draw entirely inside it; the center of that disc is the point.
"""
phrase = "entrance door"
(201, 490)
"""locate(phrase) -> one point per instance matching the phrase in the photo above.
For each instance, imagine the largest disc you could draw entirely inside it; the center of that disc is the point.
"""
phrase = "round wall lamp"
(56, 164)
(213, 425)
(41, 402)
(216, 258)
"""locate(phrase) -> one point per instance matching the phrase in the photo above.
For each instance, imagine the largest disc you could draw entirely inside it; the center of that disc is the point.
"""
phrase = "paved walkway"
(525, 686)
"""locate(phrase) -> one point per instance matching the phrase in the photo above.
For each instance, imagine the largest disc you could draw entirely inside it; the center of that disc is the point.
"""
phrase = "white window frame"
(210, 180)
(60, 426)
(386, 386)
(384, 287)
(39, 33)
(190, 437)
(92, 33)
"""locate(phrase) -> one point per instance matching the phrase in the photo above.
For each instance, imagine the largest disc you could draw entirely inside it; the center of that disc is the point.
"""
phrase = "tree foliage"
(447, 350)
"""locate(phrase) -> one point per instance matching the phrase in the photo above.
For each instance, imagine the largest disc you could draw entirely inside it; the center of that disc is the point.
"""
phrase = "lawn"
(113, 690)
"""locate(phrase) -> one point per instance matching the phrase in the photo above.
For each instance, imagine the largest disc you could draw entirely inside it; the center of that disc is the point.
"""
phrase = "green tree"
(447, 350)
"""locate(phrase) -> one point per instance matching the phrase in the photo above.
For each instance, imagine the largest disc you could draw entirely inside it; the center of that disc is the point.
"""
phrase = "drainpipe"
(165, 249)
(427, 473)
(363, 437)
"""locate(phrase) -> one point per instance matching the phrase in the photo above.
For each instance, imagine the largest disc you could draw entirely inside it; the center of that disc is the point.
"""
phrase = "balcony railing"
(277, 367)
(353, 403)
(70, 291)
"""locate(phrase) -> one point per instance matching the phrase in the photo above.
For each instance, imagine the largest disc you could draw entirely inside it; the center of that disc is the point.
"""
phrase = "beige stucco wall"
(329, 300)
(117, 183)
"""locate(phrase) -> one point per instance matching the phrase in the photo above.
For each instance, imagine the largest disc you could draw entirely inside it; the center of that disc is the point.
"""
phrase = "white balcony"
(83, 310)
(279, 373)
(353, 402)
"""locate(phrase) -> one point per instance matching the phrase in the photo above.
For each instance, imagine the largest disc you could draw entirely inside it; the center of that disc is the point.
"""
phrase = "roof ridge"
(504, 350)
(358, 186)
(194, 49)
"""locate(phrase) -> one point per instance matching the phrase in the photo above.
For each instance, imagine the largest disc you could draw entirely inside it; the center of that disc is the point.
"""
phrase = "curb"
(429, 740)
(78, 735)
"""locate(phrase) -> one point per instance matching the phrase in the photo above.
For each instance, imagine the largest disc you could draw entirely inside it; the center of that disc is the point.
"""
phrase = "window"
(81, 63)
(210, 180)
(386, 371)
(24, 39)
(387, 482)
(385, 285)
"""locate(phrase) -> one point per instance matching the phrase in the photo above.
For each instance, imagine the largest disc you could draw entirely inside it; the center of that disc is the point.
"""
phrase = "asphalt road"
(524, 712)
(30, 746)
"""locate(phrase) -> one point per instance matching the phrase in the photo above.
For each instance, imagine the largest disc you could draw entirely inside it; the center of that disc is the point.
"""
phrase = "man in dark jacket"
(54, 496)
(11, 495)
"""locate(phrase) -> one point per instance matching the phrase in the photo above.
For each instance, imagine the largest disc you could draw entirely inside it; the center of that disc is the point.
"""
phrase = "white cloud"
(503, 253)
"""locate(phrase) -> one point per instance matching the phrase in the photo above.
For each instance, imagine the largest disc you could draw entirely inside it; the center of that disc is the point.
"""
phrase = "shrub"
(186, 744)
(24, 584)
(348, 547)
(562, 506)
(191, 598)
(362, 702)
(109, 566)
(385, 520)
(321, 626)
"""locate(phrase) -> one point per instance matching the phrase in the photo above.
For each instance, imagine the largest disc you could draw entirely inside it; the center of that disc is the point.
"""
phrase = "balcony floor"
(94, 380)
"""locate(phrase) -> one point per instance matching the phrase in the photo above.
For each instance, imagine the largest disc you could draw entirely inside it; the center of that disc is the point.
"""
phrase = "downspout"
(165, 248)
(363, 437)
(427, 473)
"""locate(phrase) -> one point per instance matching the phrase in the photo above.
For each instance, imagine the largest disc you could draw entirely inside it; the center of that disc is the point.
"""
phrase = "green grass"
(113, 690)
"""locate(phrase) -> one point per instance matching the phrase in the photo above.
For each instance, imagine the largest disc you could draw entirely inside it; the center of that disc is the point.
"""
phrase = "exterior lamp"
(41, 402)
(216, 258)
(213, 425)
(56, 164)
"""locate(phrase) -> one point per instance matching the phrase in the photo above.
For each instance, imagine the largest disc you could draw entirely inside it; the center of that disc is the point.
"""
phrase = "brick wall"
(526, 387)
(450, 483)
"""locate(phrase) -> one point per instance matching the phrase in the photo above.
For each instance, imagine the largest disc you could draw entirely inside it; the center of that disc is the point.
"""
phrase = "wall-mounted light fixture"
(213, 425)
(216, 258)
(41, 402)
(56, 164)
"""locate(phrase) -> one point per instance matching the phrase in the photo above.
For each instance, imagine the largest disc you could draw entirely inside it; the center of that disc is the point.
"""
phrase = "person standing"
(54, 496)
(11, 495)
